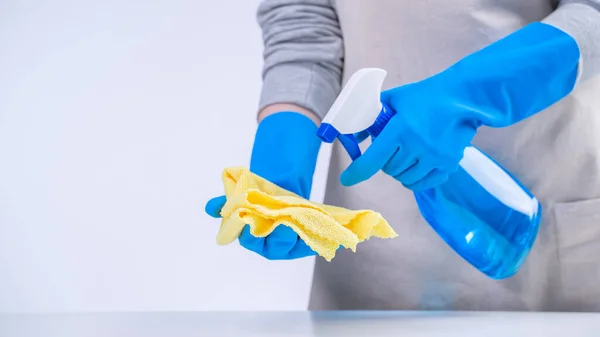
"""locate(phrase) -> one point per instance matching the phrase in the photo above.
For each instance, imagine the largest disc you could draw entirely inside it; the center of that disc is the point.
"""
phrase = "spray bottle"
(481, 211)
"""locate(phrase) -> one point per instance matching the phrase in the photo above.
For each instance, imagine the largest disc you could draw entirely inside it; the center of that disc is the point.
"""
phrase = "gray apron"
(556, 154)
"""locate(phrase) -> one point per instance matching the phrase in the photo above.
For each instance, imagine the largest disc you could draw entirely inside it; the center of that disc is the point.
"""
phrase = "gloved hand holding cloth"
(436, 118)
(267, 206)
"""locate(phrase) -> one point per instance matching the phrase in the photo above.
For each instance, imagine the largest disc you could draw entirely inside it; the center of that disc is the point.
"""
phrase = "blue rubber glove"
(437, 118)
(285, 153)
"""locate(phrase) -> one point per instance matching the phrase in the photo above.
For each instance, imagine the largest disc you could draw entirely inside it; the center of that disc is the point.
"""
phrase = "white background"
(116, 120)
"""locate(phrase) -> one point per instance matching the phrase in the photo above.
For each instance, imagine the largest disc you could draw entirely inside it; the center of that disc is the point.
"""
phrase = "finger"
(400, 162)
(280, 242)
(433, 179)
(374, 158)
(251, 242)
(301, 249)
(414, 173)
(213, 206)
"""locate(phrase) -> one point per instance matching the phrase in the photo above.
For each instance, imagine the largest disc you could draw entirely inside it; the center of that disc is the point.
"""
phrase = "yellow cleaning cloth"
(263, 206)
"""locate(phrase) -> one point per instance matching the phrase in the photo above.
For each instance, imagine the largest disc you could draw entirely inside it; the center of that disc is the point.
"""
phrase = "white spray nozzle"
(358, 104)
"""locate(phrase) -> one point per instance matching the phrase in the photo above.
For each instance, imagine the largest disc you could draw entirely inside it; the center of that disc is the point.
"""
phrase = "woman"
(515, 78)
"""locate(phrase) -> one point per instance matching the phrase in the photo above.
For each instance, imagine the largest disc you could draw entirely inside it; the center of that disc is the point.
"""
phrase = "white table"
(301, 324)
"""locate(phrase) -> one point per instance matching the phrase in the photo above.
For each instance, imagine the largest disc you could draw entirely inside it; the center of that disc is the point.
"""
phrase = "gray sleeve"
(581, 20)
(303, 53)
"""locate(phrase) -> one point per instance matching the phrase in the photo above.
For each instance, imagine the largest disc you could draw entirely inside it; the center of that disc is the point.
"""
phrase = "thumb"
(214, 205)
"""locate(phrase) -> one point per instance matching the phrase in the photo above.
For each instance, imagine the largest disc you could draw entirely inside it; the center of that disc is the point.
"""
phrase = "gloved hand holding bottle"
(436, 119)
(285, 153)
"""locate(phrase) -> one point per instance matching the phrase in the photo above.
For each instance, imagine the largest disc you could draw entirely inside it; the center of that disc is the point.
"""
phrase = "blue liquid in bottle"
(490, 235)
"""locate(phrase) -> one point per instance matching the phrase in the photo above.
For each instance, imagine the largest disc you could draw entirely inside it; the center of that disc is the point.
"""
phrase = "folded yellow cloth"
(263, 206)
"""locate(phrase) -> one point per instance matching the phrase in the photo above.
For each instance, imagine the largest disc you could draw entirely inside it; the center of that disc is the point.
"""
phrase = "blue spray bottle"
(481, 211)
